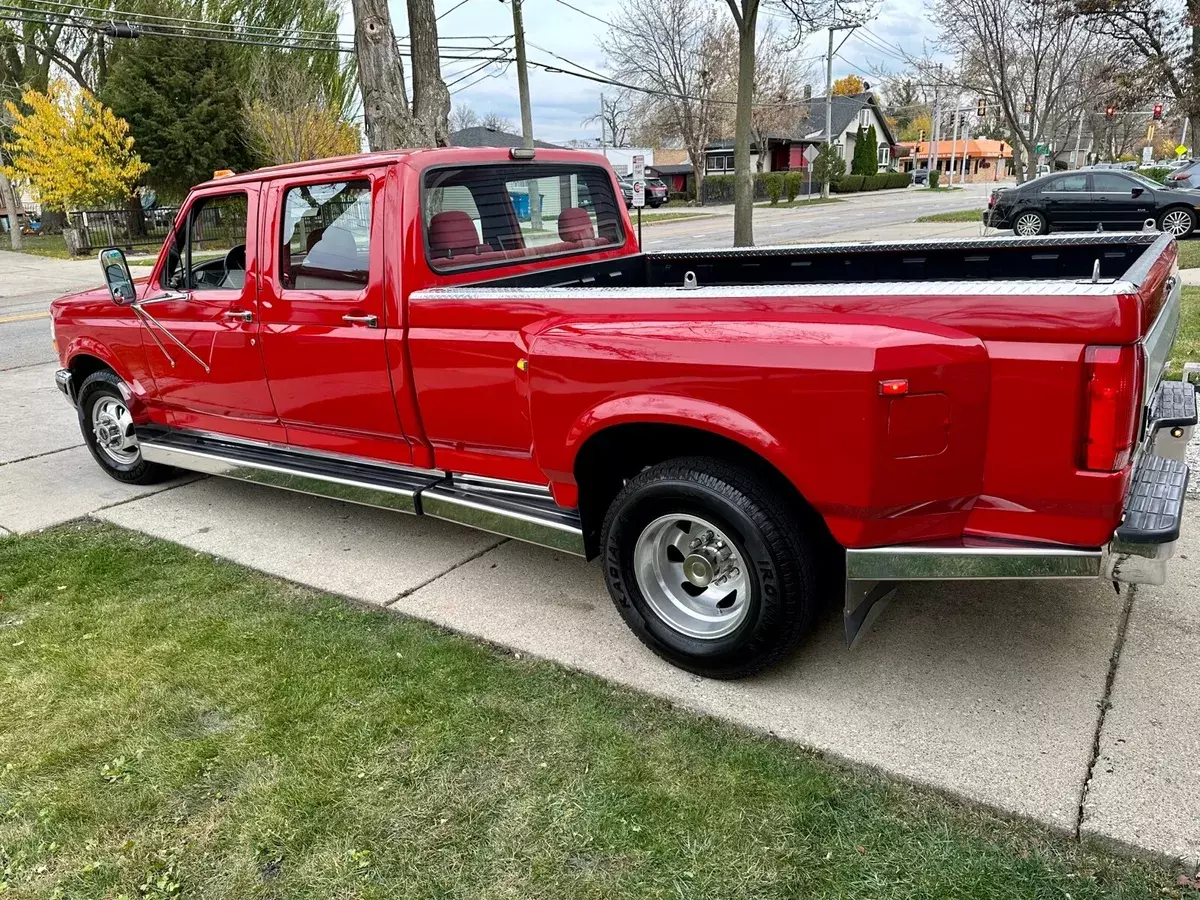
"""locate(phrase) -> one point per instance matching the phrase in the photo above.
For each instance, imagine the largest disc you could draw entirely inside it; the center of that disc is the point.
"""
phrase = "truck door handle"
(369, 321)
(244, 314)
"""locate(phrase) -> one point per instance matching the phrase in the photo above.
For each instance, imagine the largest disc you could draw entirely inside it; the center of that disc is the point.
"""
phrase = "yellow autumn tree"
(851, 84)
(74, 151)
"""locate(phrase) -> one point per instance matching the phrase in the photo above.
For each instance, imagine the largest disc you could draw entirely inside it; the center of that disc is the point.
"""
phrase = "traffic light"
(1110, 111)
(1157, 112)
(921, 136)
(981, 108)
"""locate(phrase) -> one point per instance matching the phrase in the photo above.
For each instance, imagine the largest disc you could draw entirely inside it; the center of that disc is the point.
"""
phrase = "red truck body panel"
(511, 384)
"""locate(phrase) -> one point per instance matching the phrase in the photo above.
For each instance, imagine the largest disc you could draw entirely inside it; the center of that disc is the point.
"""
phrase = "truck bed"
(1069, 258)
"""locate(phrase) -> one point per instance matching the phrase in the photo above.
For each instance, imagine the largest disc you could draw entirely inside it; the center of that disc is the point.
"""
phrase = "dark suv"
(656, 191)
(1084, 200)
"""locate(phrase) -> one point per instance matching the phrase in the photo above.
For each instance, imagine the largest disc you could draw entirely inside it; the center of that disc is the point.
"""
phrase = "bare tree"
(493, 121)
(613, 117)
(390, 122)
(679, 72)
(1026, 56)
(745, 17)
(779, 76)
(291, 117)
(1162, 42)
(463, 116)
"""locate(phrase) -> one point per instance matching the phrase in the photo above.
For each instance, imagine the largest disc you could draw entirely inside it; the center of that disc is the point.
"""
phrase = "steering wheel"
(235, 261)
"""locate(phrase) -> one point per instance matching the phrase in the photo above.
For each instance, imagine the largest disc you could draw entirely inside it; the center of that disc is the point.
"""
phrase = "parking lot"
(1064, 703)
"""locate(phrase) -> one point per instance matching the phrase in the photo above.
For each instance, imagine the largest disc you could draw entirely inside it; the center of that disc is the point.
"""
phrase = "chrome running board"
(525, 512)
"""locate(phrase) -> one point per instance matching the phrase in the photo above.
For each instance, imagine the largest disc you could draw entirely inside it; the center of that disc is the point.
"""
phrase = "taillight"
(1179, 176)
(1111, 407)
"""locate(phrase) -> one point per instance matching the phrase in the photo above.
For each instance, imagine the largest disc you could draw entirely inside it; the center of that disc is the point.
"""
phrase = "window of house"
(209, 251)
(326, 238)
(493, 215)
(714, 163)
(864, 117)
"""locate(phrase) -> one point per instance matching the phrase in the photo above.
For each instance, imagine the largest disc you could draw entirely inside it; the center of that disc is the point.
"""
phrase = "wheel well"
(83, 366)
(612, 456)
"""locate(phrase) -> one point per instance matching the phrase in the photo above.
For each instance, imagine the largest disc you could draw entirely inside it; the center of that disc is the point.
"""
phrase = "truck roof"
(440, 154)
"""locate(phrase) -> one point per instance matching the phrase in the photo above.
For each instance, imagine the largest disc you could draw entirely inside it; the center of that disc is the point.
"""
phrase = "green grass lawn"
(177, 726)
(800, 203)
(1189, 253)
(959, 215)
(39, 245)
(1187, 346)
(651, 217)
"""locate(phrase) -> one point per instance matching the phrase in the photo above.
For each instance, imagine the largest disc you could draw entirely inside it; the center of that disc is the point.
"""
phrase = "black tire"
(1178, 214)
(780, 563)
(1043, 226)
(97, 387)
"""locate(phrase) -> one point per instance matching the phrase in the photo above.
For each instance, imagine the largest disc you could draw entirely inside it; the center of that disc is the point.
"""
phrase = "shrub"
(678, 197)
(773, 182)
(875, 182)
(848, 184)
(901, 179)
(934, 177)
(1158, 174)
(717, 189)
(828, 166)
(793, 184)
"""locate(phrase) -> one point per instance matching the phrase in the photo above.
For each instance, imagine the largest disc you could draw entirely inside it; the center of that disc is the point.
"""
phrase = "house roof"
(482, 136)
(811, 128)
(672, 169)
(977, 148)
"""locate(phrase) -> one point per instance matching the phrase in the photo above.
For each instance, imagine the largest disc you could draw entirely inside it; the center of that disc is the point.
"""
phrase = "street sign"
(811, 153)
(639, 181)
(1181, 150)
(1147, 155)
(1042, 149)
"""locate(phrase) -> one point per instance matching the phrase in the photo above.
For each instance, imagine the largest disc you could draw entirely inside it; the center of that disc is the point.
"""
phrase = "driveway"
(1065, 703)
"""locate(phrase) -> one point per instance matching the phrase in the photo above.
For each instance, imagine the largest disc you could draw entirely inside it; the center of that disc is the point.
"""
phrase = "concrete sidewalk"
(994, 693)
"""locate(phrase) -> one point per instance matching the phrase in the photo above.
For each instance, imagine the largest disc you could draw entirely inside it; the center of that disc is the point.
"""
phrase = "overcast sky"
(561, 102)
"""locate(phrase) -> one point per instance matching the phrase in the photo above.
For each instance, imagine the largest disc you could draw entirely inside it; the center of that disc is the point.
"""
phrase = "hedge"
(774, 183)
(1158, 174)
(852, 184)
(793, 184)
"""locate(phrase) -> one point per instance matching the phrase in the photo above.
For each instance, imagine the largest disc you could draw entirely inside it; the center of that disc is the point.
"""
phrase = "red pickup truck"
(474, 335)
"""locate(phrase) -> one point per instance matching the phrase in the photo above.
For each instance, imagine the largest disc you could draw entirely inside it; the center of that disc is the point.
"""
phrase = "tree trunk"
(8, 202)
(743, 180)
(388, 122)
(431, 99)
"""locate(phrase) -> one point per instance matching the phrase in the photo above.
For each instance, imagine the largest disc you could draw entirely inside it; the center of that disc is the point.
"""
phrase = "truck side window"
(209, 250)
(326, 239)
(493, 215)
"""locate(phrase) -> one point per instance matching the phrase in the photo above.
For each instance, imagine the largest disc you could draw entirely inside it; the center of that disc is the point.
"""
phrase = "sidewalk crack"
(40, 455)
(1105, 702)
(428, 581)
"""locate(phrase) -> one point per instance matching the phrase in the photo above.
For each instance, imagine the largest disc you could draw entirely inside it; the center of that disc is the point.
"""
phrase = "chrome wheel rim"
(1029, 225)
(1177, 223)
(112, 426)
(693, 576)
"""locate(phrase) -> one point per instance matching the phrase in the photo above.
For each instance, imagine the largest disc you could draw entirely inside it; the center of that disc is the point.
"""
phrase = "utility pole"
(602, 153)
(935, 126)
(828, 105)
(953, 145)
(523, 76)
(1078, 140)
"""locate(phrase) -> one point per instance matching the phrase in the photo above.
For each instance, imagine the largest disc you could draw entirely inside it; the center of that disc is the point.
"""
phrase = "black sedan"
(1091, 198)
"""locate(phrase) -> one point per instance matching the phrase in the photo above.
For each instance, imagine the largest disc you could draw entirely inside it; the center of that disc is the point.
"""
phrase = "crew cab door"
(209, 277)
(323, 329)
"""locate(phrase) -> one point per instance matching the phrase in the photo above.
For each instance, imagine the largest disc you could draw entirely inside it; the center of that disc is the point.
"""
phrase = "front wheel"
(108, 431)
(1179, 222)
(709, 567)
(1030, 223)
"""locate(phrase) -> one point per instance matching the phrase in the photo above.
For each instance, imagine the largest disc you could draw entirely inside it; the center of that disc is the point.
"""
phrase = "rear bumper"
(1138, 552)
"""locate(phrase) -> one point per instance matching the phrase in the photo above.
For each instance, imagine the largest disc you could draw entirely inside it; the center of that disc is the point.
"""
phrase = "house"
(987, 160)
(786, 151)
(676, 176)
(483, 136)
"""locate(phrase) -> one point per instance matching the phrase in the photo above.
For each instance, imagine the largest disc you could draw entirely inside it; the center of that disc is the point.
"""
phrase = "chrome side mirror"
(117, 277)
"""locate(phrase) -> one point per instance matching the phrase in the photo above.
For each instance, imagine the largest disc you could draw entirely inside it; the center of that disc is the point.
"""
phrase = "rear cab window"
(478, 216)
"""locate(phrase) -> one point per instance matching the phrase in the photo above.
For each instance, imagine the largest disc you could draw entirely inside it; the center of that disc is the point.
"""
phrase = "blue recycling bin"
(520, 204)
